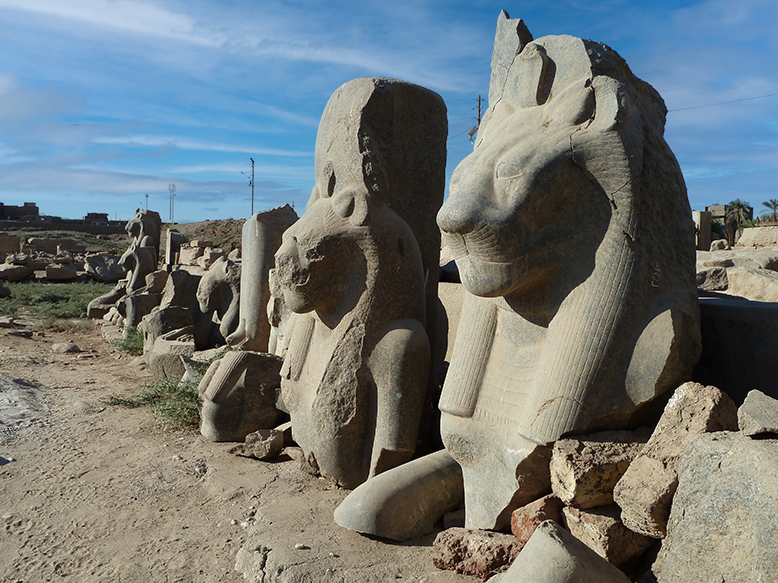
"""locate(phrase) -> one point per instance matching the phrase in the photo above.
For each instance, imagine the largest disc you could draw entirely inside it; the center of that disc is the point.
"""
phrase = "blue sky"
(104, 101)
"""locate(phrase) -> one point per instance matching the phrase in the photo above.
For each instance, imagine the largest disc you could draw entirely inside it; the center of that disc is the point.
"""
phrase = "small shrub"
(174, 401)
(132, 342)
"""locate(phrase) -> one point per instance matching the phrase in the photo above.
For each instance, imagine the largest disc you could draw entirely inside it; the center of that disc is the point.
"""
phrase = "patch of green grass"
(174, 401)
(51, 301)
(132, 342)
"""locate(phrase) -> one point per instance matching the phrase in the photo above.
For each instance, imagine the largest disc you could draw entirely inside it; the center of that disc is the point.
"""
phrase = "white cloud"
(156, 141)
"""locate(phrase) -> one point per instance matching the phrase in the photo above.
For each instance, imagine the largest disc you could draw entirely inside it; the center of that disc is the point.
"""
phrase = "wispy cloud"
(187, 144)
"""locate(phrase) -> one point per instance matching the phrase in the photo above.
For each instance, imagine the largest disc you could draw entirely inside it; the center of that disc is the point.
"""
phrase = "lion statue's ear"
(352, 205)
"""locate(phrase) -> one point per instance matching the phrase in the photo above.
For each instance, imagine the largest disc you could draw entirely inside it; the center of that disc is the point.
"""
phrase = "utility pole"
(251, 183)
(172, 189)
(147, 202)
(473, 131)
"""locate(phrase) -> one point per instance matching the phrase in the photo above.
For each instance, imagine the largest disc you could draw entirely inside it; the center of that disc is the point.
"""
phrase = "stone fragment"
(162, 321)
(712, 278)
(722, 525)
(719, 245)
(5, 291)
(584, 471)
(181, 290)
(7, 322)
(356, 370)
(155, 282)
(474, 552)
(209, 257)
(138, 306)
(757, 237)
(553, 555)
(758, 414)
(164, 357)
(104, 267)
(174, 241)
(189, 254)
(601, 530)
(762, 259)
(739, 345)
(65, 347)
(566, 326)
(645, 491)
(526, 519)
(406, 502)
(238, 395)
(10, 272)
(60, 272)
(760, 285)
(261, 238)
(262, 444)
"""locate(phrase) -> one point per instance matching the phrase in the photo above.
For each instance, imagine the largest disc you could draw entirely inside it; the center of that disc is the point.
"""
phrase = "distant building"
(96, 219)
(27, 212)
(719, 211)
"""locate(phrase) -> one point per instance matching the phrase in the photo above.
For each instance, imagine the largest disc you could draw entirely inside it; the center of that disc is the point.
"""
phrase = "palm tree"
(737, 214)
(771, 216)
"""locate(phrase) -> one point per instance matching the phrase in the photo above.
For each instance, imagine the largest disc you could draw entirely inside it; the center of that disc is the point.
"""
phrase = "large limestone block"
(601, 530)
(759, 237)
(553, 555)
(59, 272)
(162, 321)
(261, 238)
(181, 290)
(164, 358)
(723, 523)
(238, 395)
(8, 244)
(645, 491)
(570, 322)
(762, 259)
(210, 256)
(739, 345)
(138, 306)
(584, 471)
(478, 553)
(104, 267)
(9, 272)
(356, 370)
(760, 285)
(406, 502)
(189, 255)
(758, 414)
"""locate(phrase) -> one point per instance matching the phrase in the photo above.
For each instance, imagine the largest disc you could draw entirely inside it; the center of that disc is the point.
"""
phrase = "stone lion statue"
(142, 256)
(574, 240)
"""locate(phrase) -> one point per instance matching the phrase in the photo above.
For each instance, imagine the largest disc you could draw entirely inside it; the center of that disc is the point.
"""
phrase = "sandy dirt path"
(94, 493)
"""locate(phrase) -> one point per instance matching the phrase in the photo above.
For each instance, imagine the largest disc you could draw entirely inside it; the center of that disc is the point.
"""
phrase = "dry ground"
(94, 493)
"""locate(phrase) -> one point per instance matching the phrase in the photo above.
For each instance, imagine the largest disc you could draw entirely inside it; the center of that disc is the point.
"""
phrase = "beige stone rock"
(474, 552)
(190, 254)
(164, 357)
(584, 471)
(758, 414)
(645, 491)
(601, 530)
(104, 267)
(712, 278)
(9, 272)
(760, 285)
(65, 347)
(262, 444)
(553, 555)
(759, 237)
(567, 324)
(526, 519)
(59, 272)
(759, 259)
(209, 257)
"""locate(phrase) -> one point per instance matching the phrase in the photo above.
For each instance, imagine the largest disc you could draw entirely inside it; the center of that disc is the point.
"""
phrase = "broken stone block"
(526, 519)
(60, 272)
(262, 444)
(405, 502)
(155, 282)
(10, 272)
(645, 491)
(65, 347)
(164, 357)
(760, 285)
(209, 257)
(138, 306)
(584, 471)
(712, 278)
(161, 322)
(478, 553)
(553, 555)
(104, 267)
(758, 414)
(190, 254)
(601, 530)
(238, 395)
(723, 524)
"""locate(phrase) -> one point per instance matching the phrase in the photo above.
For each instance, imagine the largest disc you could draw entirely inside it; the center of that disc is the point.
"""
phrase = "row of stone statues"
(574, 241)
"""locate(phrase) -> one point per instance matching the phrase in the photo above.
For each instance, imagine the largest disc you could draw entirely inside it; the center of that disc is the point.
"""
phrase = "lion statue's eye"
(507, 170)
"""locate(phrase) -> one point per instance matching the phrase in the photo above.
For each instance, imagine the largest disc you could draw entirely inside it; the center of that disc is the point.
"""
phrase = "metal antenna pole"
(251, 183)
(172, 189)
(147, 202)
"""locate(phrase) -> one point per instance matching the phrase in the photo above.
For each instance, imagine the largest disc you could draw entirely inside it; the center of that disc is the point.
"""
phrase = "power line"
(723, 102)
